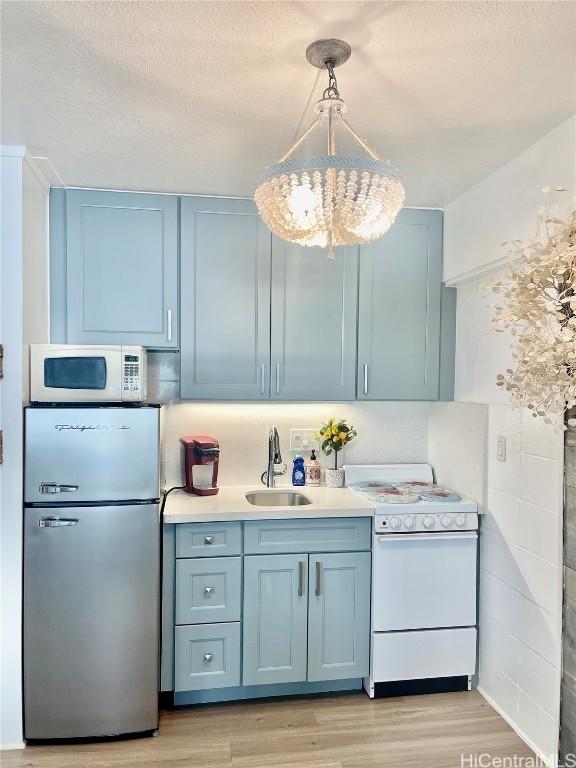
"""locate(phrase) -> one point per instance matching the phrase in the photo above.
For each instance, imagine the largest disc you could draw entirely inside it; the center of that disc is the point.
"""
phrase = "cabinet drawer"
(323, 535)
(207, 656)
(208, 539)
(208, 590)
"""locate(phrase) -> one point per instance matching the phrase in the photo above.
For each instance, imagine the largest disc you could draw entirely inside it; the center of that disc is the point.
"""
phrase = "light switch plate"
(303, 440)
(500, 448)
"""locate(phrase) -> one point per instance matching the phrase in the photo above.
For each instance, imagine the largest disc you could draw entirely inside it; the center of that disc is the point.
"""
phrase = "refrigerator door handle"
(57, 488)
(57, 522)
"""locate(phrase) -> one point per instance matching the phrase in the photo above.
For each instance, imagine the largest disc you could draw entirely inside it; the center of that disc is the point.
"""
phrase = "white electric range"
(424, 580)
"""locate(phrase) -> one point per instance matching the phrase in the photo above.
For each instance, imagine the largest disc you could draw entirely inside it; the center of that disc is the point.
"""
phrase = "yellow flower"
(343, 436)
(335, 439)
(334, 430)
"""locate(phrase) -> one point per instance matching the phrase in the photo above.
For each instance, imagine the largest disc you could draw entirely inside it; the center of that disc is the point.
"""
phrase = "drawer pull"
(318, 579)
(208, 658)
(209, 590)
(208, 539)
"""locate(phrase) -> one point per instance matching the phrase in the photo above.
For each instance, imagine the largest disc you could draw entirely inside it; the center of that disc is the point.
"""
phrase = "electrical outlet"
(501, 448)
(303, 440)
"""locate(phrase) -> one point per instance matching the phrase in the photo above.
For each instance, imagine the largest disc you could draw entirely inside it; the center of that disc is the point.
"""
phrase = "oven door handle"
(452, 535)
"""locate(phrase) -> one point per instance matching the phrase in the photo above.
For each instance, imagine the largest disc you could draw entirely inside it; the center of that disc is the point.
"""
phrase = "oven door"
(72, 373)
(424, 581)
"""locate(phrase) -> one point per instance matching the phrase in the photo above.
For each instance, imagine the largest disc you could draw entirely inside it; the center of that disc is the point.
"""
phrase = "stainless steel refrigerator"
(91, 571)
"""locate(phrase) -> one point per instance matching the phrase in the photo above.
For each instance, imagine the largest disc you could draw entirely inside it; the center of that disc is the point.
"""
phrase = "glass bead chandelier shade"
(331, 199)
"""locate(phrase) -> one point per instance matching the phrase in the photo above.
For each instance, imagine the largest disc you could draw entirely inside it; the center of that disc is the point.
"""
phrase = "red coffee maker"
(200, 450)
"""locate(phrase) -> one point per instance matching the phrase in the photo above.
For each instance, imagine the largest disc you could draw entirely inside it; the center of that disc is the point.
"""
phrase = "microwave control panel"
(132, 376)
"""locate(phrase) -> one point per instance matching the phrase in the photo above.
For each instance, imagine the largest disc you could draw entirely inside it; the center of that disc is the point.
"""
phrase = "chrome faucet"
(274, 459)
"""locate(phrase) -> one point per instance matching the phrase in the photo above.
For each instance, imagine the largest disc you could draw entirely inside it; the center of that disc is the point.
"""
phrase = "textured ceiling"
(199, 96)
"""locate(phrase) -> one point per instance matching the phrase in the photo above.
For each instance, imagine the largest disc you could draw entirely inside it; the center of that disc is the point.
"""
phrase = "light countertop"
(230, 504)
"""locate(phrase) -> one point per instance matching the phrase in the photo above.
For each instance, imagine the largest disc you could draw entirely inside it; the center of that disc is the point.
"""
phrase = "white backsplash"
(457, 447)
(387, 432)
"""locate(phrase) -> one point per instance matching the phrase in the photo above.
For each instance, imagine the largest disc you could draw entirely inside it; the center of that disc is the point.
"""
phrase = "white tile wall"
(521, 536)
(521, 542)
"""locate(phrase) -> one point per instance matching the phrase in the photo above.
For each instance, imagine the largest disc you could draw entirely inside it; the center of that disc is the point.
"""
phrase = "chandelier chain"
(332, 91)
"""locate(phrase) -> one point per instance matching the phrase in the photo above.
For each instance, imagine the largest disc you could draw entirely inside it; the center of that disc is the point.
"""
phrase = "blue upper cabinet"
(225, 300)
(314, 306)
(400, 310)
(121, 268)
(256, 318)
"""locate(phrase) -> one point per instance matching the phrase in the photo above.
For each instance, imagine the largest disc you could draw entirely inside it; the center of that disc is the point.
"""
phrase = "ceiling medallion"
(331, 199)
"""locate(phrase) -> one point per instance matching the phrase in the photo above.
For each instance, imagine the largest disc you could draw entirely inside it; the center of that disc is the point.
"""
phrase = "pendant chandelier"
(331, 199)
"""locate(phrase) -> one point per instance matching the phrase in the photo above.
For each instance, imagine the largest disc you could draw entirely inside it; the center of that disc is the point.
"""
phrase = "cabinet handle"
(365, 378)
(208, 539)
(262, 372)
(318, 579)
(277, 378)
(169, 324)
(209, 590)
(208, 658)
(300, 579)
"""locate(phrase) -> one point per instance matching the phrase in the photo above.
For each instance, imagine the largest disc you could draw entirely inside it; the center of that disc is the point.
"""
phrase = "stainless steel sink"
(277, 499)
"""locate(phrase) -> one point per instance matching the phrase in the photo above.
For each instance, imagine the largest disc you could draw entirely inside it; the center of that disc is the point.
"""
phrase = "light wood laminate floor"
(340, 731)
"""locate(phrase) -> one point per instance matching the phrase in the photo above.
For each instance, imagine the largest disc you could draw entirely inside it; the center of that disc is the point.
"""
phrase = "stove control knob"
(428, 521)
(409, 522)
(460, 521)
(395, 523)
(446, 521)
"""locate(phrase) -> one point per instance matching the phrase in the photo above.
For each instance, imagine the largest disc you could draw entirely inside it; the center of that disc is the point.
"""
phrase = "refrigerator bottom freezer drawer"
(423, 653)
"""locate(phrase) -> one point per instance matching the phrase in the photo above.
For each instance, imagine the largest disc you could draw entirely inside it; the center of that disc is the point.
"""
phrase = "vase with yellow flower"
(333, 437)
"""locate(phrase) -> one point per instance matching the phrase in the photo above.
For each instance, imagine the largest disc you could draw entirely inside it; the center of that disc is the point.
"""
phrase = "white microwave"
(87, 373)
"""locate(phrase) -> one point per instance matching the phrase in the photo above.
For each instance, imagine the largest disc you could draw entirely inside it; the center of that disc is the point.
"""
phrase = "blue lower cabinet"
(207, 656)
(275, 619)
(339, 616)
(208, 589)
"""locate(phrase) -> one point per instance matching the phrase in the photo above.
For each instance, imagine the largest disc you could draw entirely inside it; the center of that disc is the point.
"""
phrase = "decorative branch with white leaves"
(538, 307)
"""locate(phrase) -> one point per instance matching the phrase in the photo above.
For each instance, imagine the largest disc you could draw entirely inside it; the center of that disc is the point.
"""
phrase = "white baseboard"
(549, 761)
(6, 747)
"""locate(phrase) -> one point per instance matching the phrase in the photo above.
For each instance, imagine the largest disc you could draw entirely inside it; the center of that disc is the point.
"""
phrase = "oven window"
(75, 372)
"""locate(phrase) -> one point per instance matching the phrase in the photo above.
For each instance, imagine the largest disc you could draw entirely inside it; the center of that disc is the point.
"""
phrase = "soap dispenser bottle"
(312, 470)
(298, 472)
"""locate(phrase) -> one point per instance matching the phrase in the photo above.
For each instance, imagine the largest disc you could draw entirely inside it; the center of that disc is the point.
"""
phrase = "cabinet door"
(122, 268)
(275, 618)
(225, 297)
(314, 305)
(339, 616)
(399, 310)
